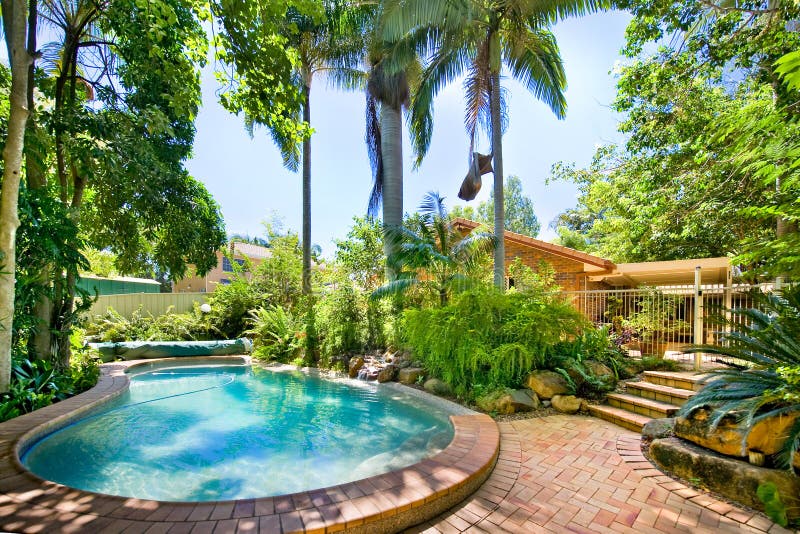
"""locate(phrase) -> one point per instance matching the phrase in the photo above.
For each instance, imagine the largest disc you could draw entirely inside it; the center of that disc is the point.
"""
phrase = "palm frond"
(373, 140)
(534, 59)
(395, 287)
(767, 336)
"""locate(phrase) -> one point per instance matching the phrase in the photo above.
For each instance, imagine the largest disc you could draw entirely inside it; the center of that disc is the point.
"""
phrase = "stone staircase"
(659, 394)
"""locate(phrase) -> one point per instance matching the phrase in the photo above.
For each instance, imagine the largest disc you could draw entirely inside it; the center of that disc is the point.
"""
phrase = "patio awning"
(665, 273)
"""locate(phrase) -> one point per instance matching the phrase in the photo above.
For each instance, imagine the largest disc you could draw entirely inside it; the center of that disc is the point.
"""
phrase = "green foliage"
(432, 256)
(276, 281)
(253, 43)
(767, 493)
(36, 384)
(360, 254)
(520, 216)
(542, 280)
(568, 358)
(113, 327)
(276, 333)
(656, 363)
(343, 318)
(709, 168)
(488, 337)
(768, 337)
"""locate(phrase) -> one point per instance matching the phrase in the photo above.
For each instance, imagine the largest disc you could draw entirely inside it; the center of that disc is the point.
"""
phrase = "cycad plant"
(768, 337)
(433, 255)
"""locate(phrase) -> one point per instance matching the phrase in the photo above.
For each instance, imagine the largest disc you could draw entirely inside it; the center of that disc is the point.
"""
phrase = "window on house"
(227, 266)
(224, 281)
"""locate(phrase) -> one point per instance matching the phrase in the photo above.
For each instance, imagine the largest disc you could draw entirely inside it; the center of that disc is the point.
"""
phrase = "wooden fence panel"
(154, 303)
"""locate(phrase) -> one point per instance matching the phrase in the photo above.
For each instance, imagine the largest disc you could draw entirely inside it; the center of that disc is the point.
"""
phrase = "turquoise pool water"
(235, 432)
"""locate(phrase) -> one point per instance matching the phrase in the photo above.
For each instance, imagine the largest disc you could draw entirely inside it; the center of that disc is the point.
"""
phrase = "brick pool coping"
(382, 503)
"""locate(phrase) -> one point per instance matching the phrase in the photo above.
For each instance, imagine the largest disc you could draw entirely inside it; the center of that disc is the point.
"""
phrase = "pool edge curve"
(382, 503)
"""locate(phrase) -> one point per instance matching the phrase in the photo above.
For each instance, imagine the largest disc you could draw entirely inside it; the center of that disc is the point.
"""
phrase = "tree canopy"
(709, 166)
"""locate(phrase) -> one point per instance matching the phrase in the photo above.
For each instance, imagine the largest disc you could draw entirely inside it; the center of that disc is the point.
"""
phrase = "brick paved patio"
(581, 474)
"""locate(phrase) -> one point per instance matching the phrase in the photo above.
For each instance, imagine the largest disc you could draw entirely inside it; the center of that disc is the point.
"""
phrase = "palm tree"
(433, 255)
(476, 38)
(321, 48)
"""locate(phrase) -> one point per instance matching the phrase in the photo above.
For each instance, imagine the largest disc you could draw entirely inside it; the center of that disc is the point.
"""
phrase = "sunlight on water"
(234, 432)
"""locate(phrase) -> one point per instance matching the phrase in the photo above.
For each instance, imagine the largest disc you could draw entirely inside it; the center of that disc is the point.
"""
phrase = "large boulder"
(497, 401)
(769, 435)
(524, 400)
(356, 363)
(410, 375)
(547, 384)
(387, 374)
(727, 438)
(659, 428)
(437, 387)
(508, 401)
(566, 403)
(730, 477)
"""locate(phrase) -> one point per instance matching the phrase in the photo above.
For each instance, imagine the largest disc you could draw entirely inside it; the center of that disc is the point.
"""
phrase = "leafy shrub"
(36, 384)
(768, 337)
(489, 337)
(113, 327)
(595, 344)
(276, 334)
(343, 315)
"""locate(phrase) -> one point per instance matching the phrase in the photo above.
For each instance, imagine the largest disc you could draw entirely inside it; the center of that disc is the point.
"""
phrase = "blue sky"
(248, 180)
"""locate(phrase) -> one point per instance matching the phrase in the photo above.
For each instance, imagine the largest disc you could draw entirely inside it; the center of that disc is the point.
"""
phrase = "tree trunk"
(14, 23)
(499, 202)
(307, 193)
(39, 341)
(392, 151)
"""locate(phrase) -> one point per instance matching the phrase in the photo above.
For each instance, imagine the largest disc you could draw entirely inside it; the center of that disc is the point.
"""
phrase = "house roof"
(543, 246)
(251, 251)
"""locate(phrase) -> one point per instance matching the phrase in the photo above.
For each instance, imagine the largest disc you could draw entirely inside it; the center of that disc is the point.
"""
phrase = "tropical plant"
(434, 256)
(36, 384)
(277, 334)
(488, 337)
(477, 38)
(768, 337)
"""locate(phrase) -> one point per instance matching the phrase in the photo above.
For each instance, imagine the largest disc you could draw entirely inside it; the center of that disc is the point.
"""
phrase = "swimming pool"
(225, 432)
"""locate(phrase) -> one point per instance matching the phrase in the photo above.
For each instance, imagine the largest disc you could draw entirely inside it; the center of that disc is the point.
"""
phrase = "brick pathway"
(580, 474)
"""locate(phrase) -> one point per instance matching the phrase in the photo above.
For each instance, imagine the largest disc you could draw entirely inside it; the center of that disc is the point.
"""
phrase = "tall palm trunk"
(307, 192)
(392, 152)
(14, 23)
(499, 202)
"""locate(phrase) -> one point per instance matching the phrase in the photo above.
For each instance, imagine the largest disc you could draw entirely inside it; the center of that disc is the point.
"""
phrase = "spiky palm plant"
(434, 256)
(768, 337)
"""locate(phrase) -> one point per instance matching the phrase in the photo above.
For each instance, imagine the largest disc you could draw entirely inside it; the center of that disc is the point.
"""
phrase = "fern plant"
(768, 337)
(276, 334)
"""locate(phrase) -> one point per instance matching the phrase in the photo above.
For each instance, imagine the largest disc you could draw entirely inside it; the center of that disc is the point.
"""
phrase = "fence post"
(698, 317)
